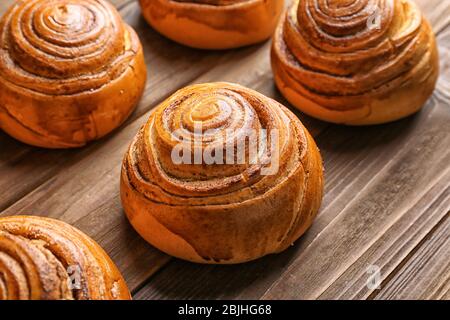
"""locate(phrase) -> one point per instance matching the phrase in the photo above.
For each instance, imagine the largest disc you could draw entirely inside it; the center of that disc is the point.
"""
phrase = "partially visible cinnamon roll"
(355, 62)
(221, 174)
(71, 71)
(46, 259)
(213, 24)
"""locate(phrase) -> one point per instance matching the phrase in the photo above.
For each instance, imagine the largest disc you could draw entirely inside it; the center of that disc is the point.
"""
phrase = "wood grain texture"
(368, 194)
(349, 170)
(427, 273)
(387, 190)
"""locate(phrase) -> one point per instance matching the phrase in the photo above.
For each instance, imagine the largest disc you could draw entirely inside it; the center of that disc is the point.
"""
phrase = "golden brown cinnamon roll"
(71, 71)
(355, 61)
(213, 24)
(221, 174)
(46, 259)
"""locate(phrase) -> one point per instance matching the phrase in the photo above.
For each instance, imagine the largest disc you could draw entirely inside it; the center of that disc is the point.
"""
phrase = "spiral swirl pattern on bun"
(355, 61)
(70, 71)
(46, 259)
(237, 208)
(213, 24)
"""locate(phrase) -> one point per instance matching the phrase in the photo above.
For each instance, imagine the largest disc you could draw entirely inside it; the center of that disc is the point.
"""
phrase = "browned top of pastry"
(45, 259)
(63, 47)
(352, 48)
(221, 174)
(227, 113)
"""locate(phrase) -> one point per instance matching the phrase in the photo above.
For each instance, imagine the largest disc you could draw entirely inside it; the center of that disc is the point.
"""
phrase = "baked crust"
(222, 212)
(213, 24)
(69, 73)
(335, 65)
(40, 257)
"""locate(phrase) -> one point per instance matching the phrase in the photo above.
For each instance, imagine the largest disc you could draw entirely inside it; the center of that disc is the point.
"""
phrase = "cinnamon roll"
(46, 259)
(213, 24)
(355, 62)
(221, 174)
(71, 71)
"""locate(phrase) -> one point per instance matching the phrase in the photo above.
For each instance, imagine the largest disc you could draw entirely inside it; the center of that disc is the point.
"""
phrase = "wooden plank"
(394, 246)
(437, 12)
(370, 184)
(389, 250)
(351, 284)
(363, 164)
(376, 170)
(427, 273)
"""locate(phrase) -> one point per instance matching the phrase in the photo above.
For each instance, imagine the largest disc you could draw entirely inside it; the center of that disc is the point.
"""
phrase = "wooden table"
(387, 201)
